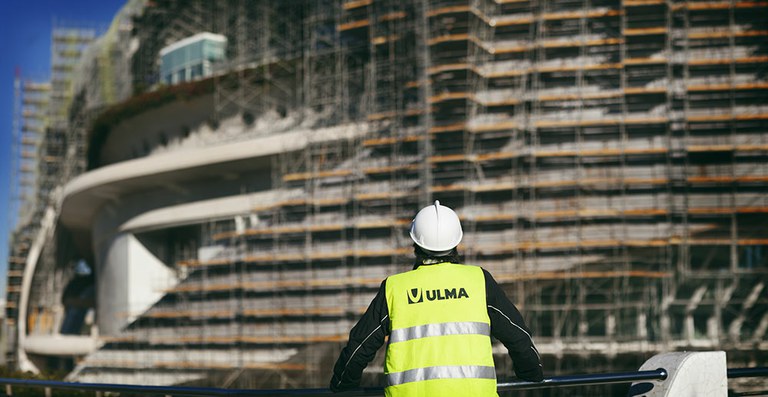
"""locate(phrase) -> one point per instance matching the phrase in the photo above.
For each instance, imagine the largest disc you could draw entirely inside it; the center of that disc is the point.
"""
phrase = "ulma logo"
(416, 295)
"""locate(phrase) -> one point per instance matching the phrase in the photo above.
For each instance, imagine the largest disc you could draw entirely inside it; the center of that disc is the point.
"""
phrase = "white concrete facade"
(131, 279)
(111, 203)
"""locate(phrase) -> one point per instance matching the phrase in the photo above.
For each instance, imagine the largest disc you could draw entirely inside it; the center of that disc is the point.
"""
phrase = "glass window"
(197, 70)
(190, 58)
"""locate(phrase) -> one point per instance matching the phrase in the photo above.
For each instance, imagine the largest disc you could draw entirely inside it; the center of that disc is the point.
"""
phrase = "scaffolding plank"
(385, 252)
(645, 31)
(724, 241)
(212, 262)
(728, 117)
(380, 195)
(449, 158)
(379, 40)
(728, 61)
(392, 16)
(447, 188)
(719, 5)
(391, 140)
(639, 3)
(350, 5)
(645, 61)
(354, 25)
(448, 38)
(448, 128)
(502, 102)
(728, 179)
(382, 224)
(711, 211)
(500, 217)
(502, 73)
(493, 187)
(381, 115)
(193, 313)
(588, 14)
(727, 34)
(495, 156)
(192, 365)
(574, 123)
(447, 10)
(579, 43)
(579, 96)
(448, 68)
(599, 152)
(315, 175)
(645, 90)
(501, 49)
(312, 311)
(449, 96)
(299, 339)
(581, 275)
(276, 366)
(561, 245)
(498, 23)
(598, 66)
(727, 87)
(391, 168)
(496, 126)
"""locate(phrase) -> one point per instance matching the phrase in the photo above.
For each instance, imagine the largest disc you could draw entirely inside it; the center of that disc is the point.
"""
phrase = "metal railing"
(99, 388)
(556, 381)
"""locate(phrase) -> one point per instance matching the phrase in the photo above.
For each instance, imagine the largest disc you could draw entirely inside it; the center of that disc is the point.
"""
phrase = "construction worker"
(439, 318)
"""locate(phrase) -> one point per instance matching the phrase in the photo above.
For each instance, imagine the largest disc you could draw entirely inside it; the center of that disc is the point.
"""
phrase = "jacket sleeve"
(365, 338)
(508, 326)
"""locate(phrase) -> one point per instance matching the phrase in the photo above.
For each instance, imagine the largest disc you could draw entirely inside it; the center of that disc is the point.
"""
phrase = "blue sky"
(25, 43)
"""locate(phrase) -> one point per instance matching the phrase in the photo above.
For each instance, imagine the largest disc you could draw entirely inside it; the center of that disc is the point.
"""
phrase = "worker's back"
(439, 343)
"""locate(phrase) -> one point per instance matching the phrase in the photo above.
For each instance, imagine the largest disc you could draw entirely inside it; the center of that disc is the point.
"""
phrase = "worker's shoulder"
(399, 275)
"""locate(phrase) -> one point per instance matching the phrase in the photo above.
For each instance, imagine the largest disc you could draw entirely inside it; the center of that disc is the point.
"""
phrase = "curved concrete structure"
(47, 225)
(60, 345)
(87, 193)
(100, 205)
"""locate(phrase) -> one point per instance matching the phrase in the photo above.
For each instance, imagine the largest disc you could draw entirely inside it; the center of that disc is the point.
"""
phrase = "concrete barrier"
(699, 374)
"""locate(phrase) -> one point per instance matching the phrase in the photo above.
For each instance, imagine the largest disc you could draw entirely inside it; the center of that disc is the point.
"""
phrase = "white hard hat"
(436, 228)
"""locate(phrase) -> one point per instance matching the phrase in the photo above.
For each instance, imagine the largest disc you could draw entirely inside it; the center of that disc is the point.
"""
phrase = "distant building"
(191, 58)
(609, 162)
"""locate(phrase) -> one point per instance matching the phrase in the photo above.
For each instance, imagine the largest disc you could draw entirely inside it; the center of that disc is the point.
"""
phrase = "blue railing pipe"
(583, 380)
(555, 381)
(756, 372)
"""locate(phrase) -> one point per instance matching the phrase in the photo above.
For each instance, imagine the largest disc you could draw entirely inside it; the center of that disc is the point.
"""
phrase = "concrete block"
(694, 374)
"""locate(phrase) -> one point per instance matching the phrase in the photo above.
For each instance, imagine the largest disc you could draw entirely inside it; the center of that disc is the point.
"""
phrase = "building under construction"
(239, 211)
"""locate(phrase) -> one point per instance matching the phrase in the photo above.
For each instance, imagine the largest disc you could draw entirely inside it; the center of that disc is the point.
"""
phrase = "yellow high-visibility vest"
(439, 342)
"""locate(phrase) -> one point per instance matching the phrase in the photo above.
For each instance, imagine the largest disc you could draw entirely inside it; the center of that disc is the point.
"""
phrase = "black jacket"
(367, 336)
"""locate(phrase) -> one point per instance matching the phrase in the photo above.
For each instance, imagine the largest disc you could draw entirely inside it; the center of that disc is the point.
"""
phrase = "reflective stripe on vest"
(427, 330)
(442, 372)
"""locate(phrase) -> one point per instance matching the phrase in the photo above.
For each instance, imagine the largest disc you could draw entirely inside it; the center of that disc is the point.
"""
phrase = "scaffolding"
(31, 100)
(607, 159)
(40, 143)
